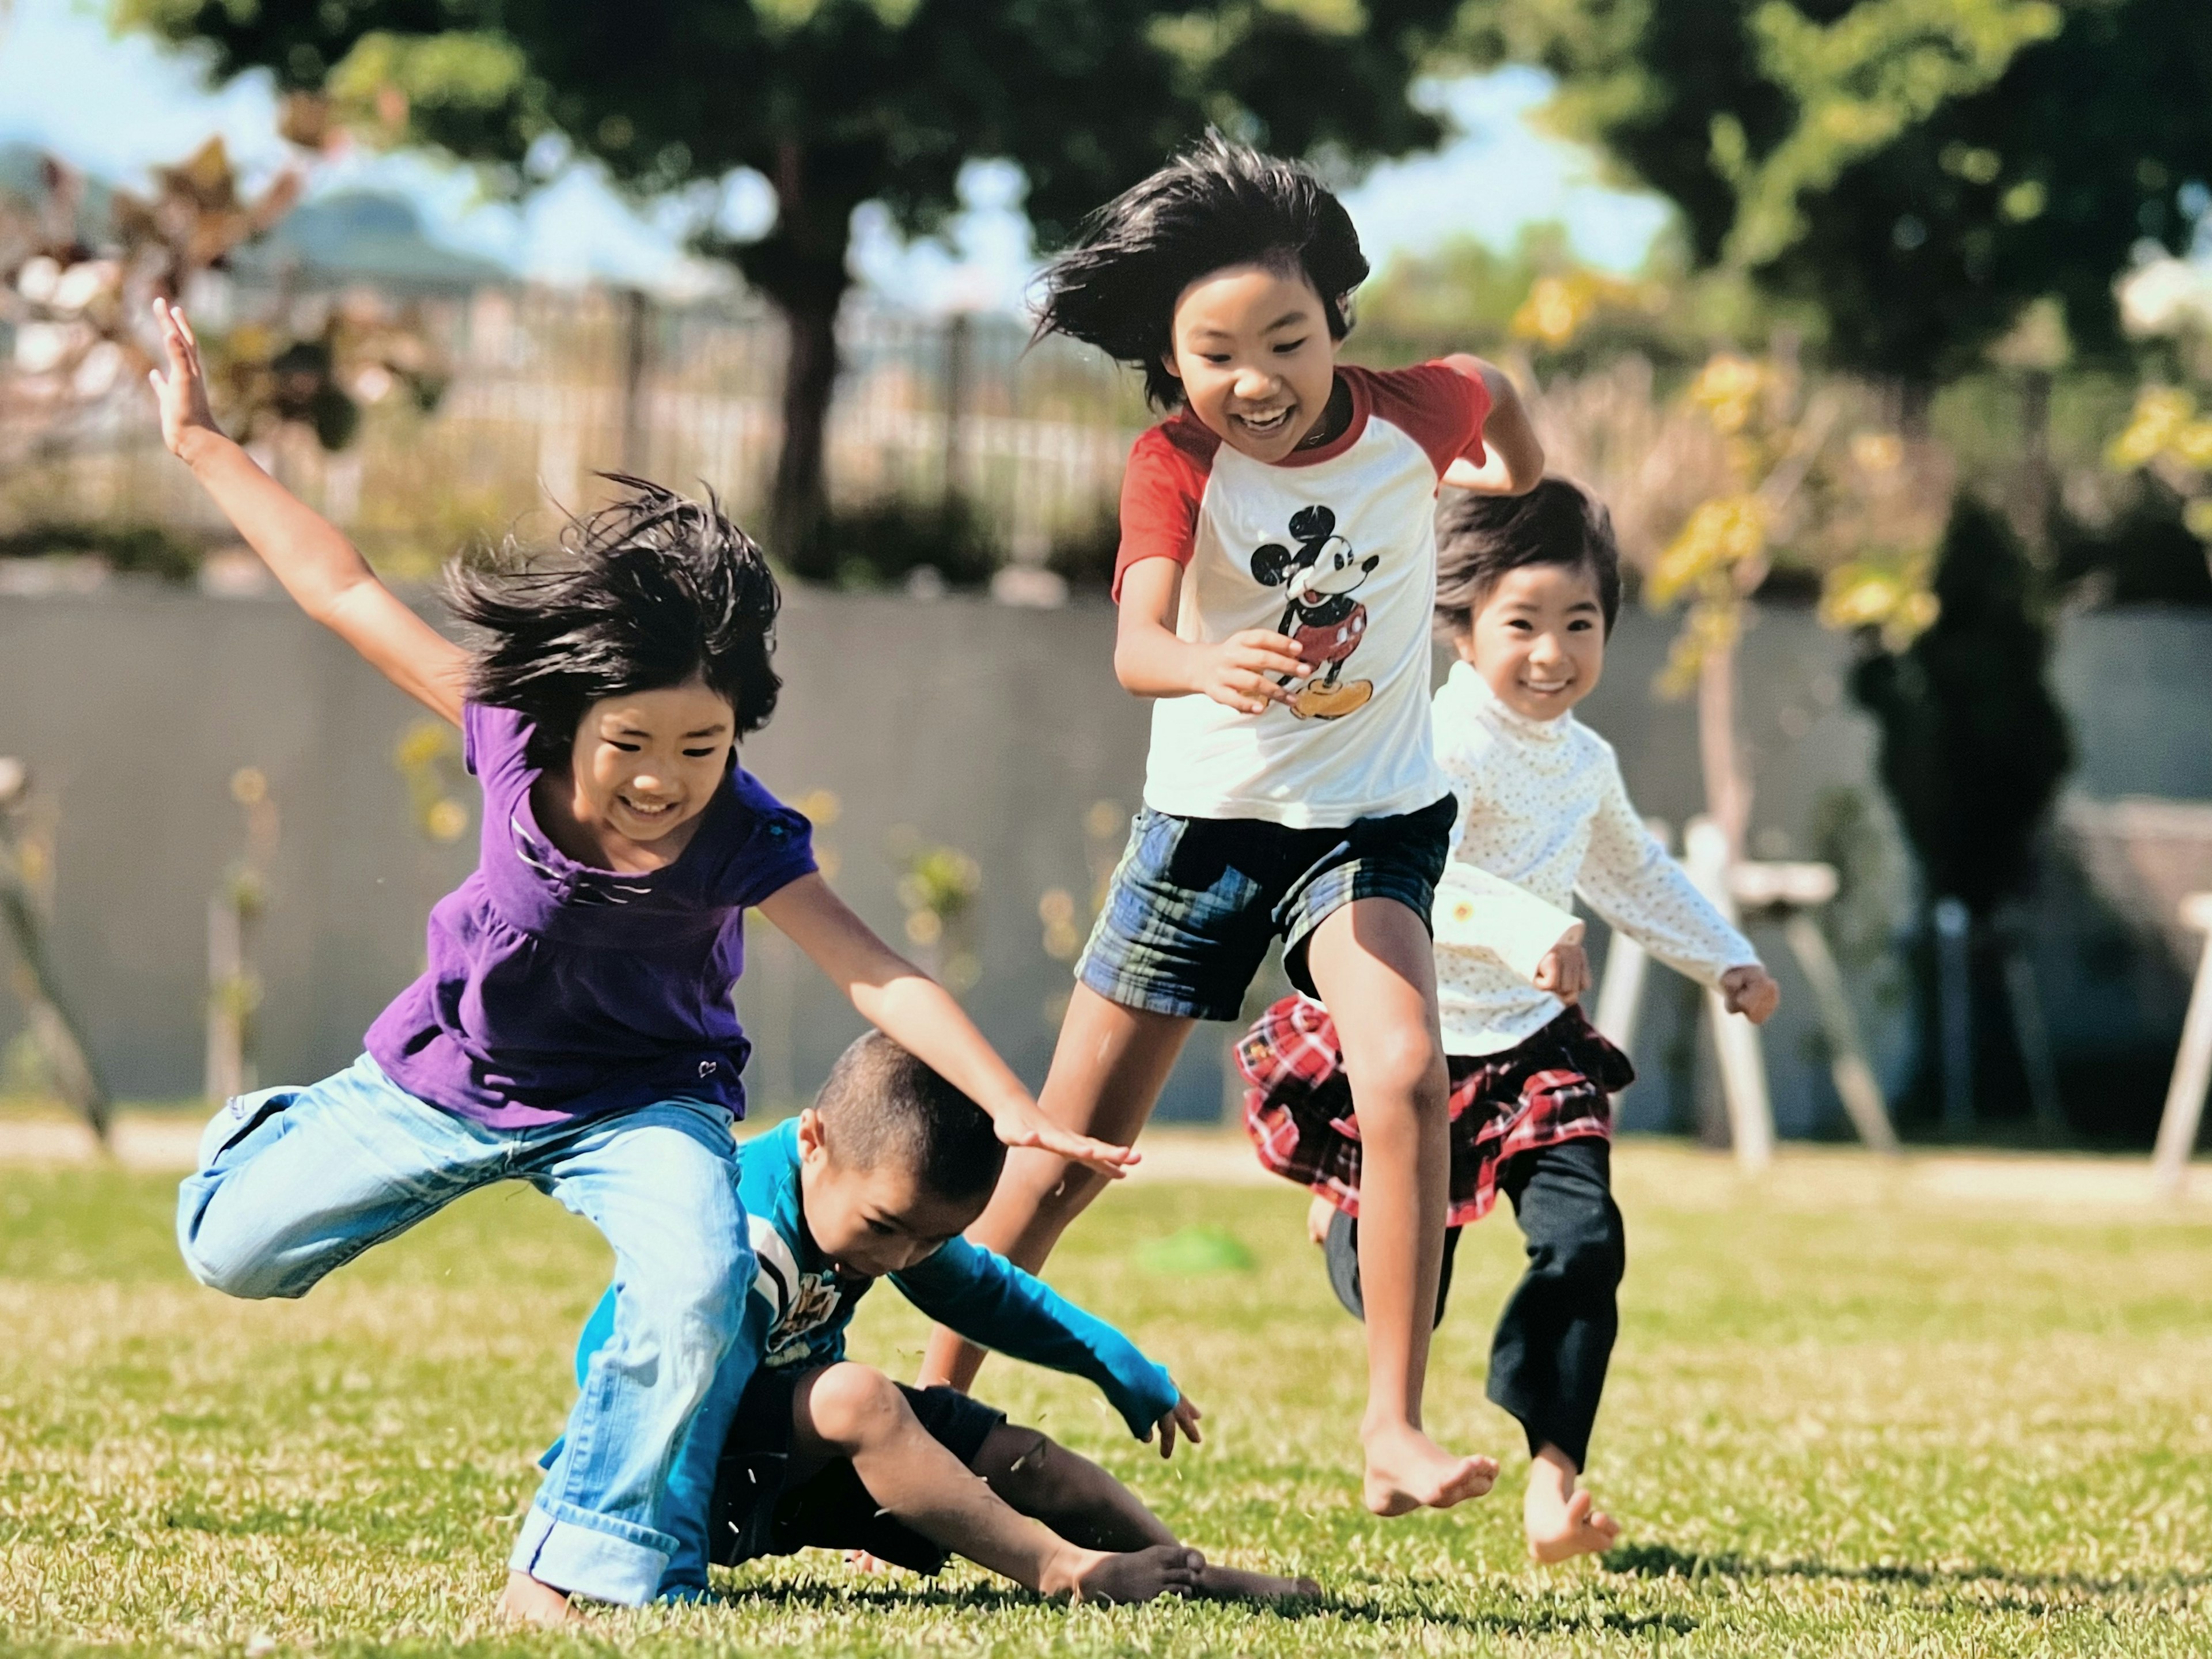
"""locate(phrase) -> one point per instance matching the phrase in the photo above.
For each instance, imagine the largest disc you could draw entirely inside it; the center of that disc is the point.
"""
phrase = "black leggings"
(1548, 1360)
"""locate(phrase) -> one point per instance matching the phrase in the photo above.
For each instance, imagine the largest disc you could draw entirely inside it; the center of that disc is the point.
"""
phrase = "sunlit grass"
(1838, 1424)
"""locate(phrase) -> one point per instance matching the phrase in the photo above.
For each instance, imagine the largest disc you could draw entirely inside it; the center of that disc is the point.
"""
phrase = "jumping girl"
(574, 1029)
(1276, 573)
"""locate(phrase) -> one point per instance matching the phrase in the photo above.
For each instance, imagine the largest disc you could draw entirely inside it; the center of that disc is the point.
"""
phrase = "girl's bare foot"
(1407, 1471)
(1138, 1575)
(1319, 1214)
(1235, 1584)
(1560, 1522)
(528, 1600)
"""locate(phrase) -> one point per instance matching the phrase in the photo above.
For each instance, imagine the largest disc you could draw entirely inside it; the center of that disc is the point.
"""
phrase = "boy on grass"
(1527, 590)
(879, 1178)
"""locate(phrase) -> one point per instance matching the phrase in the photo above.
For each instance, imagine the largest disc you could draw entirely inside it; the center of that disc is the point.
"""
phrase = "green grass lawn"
(1837, 1424)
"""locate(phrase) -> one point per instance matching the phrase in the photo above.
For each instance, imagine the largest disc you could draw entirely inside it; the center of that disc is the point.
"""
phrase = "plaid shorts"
(1548, 1088)
(1194, 902)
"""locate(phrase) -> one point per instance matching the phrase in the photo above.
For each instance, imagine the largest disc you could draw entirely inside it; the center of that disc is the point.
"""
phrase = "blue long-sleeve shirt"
(799, 1305)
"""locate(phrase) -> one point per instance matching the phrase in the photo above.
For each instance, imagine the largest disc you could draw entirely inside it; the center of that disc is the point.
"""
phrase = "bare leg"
(1372, 963)
(851, 1411)
(1558, 1520)
(1084, 1504)
(1107, 1073)
(527, 1600)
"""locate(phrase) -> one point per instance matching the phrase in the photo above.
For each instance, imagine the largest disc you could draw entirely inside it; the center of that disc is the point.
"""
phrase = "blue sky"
(114, 105)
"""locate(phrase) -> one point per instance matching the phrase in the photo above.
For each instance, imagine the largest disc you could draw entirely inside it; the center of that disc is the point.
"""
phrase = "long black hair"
(651, 591)
(1217, 205)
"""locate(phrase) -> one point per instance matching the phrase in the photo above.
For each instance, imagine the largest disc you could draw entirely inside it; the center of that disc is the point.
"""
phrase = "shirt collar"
(1464, 682)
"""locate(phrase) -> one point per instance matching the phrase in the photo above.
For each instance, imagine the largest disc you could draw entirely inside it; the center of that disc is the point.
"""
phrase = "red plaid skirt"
(1551, 1087)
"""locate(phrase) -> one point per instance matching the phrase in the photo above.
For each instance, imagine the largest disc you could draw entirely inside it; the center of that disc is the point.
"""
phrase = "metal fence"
(548, 385)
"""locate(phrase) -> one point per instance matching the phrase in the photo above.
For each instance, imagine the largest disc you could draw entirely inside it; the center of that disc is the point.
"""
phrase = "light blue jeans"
(294, 1182)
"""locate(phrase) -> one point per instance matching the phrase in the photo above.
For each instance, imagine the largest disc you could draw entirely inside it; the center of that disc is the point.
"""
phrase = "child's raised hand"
(1564, 972)
(1240, 671)
(1020, 1123)
(1750, 990)
(182, 393)
(1182, 1416)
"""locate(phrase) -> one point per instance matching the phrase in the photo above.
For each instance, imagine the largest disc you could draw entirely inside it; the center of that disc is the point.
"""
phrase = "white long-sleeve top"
(1541, 805)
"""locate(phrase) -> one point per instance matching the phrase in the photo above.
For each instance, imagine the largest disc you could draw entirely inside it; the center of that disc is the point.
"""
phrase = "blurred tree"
(1914, 172)
(836, 103)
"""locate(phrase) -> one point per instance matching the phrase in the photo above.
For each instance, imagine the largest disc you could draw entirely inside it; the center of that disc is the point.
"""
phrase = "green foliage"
(1916, 171)
(881, 545)
(1973, 744)
(142, 549)
(838, 102)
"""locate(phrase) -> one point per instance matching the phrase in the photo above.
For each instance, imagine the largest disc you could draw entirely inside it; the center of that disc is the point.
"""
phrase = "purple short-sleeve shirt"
(558, 991)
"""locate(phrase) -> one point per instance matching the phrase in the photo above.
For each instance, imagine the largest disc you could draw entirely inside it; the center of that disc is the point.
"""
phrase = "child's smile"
(1538, 639)
(1253, 351)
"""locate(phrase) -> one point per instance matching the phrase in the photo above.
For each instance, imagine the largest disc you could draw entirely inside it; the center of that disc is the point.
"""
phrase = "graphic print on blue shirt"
(799, 1304)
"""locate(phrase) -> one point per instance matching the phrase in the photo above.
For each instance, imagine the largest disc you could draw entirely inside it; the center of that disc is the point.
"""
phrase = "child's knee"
(219, 1257)
(853, 1406)
(1594, 1257)
(1404, 1068)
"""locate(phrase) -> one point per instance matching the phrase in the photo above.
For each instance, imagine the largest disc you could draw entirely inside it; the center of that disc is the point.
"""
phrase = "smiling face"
(873, 1221)
(646, 763)
(1252, 349)
(1538, 639)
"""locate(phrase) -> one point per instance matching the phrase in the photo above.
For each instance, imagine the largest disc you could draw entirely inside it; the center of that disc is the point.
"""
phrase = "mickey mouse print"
(1334, 548)
(1324, 617)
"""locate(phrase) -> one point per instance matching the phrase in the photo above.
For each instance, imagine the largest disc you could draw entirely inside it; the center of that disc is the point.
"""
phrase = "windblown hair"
(1217, 205)
(881, 1105)
(1480, 537)
(646, 592)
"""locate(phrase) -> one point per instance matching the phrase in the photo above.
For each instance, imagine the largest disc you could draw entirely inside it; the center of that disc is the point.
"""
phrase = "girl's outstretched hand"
(182, 393)
(1021, 1124)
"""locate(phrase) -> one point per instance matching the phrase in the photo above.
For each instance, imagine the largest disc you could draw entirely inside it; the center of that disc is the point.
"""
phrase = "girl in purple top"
(574, 1028)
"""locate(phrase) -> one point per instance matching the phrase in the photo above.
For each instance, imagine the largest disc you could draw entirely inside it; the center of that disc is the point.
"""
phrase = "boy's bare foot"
(528, 1600)
(1235, 1584)
(1407, 1471)
(1139, 1575)
(1560, 1522)
(1319, 1213)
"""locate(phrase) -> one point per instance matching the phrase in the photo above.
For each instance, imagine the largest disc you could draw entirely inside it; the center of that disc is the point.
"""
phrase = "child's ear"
(1168, 362)
(811, 1144)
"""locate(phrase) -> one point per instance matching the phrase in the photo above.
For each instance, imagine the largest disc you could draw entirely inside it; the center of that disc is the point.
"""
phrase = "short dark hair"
(881, 1103)
(646, 592)
(1480, 537)
(1217, 205)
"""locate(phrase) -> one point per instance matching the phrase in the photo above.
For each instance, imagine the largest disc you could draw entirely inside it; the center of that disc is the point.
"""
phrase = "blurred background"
(1883, 330)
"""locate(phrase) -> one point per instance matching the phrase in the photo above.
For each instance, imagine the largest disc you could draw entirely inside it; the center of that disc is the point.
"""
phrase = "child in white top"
(1276, 575)
(1527, 590)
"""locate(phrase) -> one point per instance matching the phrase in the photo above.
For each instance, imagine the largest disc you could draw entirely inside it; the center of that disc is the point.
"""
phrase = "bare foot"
(1319, 1213)
(528, 1600)
(861, 1561)
(1558, 1520)
(1234, 1584)
(1140, 1574)
(1407, 1471)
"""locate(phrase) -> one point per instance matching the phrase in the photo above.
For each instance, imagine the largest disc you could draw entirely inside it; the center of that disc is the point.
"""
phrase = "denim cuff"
(592, 1555)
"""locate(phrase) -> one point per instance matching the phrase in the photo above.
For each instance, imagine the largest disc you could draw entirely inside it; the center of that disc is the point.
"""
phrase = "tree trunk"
(799, 496)
(801, 267)
(1720, 756)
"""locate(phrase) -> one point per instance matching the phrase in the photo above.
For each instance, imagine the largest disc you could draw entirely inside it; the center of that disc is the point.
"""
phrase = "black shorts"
(759, 1510)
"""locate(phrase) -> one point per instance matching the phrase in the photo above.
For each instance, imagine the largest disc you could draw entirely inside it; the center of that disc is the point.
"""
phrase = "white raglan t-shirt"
(1335, 547)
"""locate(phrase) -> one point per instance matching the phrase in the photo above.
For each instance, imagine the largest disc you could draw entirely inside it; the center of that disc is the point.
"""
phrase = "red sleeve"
(1439, 405)
(1160, 492)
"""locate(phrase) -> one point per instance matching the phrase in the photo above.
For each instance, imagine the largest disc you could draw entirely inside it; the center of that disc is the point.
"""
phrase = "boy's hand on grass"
(182, 393)
(1240, 672)
(1750, 990)
(1564, 972)
(1184, 1417)
(1020, 1123)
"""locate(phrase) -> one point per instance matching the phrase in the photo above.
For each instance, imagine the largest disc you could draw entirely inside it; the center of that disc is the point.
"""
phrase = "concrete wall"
(998, 732)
